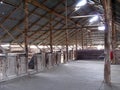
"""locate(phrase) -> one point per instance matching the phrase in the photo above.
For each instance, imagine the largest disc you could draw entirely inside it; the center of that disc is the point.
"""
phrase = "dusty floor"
(79, 75)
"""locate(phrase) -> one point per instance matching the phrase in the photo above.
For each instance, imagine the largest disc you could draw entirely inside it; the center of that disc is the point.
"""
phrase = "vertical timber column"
(82, 39)
(51, 34)
(108, 31)
(26, 35)
(66, 31)
(86, 38)
(114, 45)
(89, 35)
(10, 47)
(76, 39)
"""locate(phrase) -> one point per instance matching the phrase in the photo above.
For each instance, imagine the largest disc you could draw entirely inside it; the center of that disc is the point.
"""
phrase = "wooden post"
(66, 31)
(86, 39)
(108, 31)
(51, 35)
(10, 47)
(82, 41)
(114, 45)
(26, 35)
(89, 36)
(76, 39)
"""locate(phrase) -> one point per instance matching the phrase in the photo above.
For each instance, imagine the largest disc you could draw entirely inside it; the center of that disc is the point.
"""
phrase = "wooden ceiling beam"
(36, 32)
(8, 16)
(21, 21)
(14, 28)
(6, 30)
(48, 21)
(43, 35)
(63, 37)
(47, 38)
(53, 27)
(49, 10)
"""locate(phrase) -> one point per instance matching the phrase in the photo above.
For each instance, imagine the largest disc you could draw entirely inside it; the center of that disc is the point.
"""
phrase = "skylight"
(1, 2)
(95, 18)
(102, 28)
(80, 4)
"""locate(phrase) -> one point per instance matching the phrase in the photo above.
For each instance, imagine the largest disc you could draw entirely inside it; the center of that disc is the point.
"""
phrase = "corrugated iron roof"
(40, 11)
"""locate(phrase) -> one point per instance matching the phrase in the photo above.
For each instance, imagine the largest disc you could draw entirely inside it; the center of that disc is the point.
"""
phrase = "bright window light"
(95, 18)
(102, 28)
(33, 46)
(81, 3)
(1, 2)
(91, 2)
(5, 45)
(1, 75)
(99, 47)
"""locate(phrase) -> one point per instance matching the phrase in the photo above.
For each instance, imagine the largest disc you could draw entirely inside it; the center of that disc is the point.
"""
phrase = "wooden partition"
(58, 58)
(13, 66)
(71, 55)
(116, 56)
(2, 67)
(21, 64)
(89, 54)
(64, 57)
(40, 62)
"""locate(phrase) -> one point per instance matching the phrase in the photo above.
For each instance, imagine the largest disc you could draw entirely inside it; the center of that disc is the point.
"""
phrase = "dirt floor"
(77, 75)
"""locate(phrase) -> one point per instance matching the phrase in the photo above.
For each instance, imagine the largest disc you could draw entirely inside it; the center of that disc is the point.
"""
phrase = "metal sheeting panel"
(14, 2)
(51, 5)
(2, 32)
(43, 21)
(31, 7)
(9, 24)
(18, 14)
(40, 11)
(34, 28)
(32, 18)
(5, 9)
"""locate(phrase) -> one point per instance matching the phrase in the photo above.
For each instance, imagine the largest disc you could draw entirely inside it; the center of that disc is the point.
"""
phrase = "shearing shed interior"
(59, 45)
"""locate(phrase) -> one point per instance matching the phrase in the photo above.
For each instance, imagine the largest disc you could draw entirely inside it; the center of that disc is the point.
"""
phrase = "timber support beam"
(108, 45)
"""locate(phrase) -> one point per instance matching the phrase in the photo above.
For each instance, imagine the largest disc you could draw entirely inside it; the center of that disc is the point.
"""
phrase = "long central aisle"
(78, 75)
